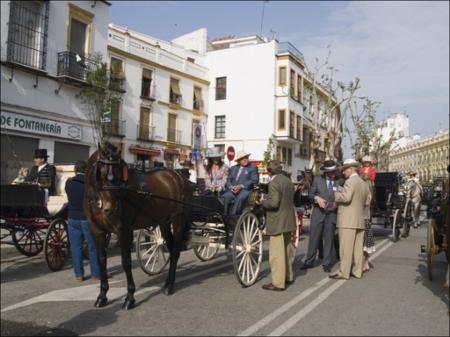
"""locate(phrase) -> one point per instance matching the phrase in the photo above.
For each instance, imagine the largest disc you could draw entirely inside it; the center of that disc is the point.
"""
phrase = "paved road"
(394, 298)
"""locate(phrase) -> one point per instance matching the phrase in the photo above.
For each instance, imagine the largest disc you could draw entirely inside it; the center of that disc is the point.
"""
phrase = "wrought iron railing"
(74, 65)
(27, 33)
(287, 47)
(173, 135)
(145, 131)
(114, 127)
(175, 98)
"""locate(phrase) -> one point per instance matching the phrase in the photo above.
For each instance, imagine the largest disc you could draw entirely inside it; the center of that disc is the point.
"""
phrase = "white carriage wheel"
(151, 251)
(247, 249)
(207, 251)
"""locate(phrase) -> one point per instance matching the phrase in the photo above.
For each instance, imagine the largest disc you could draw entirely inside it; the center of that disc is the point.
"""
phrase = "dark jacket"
(280, 206)
(75, 192)
(46, 177)
(248, 178)
(320, 188)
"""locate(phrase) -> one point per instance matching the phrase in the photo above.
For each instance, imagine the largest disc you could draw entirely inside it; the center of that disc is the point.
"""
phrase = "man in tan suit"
(280, 225)
(351, 201)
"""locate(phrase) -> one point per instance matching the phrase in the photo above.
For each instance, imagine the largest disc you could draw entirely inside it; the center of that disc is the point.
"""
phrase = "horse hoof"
(101, 302)
(168, 291)
(128, 304)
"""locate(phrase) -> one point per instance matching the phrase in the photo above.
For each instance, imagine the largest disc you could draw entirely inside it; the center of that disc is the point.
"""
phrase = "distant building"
(428, 156)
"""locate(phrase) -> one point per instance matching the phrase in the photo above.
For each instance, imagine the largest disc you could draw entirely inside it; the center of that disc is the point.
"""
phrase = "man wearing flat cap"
(323, 217)
(241, 179)
(351, 200)
(42, 172)
(280, 224)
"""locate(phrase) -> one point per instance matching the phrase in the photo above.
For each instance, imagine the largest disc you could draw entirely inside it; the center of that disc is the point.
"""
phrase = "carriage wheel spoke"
(150, 258)
(241, 263)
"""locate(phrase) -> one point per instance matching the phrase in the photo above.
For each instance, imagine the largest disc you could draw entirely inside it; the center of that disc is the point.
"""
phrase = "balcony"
(287, 47)
(173, 135)
(175, 98)
(117, 82)
(198, 105)
(73, 66)
(114, 127)
(145, 132)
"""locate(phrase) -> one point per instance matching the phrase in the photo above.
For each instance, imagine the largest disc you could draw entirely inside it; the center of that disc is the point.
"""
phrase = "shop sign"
(40, 126)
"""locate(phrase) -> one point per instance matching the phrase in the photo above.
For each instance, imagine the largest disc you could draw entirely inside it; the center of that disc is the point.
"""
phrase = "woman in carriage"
(216, 172)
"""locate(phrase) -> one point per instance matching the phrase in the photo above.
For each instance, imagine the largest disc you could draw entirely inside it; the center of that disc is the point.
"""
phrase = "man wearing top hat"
(241, 179)
(323, 217)
(42, 172)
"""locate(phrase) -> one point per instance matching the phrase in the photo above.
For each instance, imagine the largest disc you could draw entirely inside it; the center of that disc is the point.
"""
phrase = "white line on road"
(90, 292)
(266, 320)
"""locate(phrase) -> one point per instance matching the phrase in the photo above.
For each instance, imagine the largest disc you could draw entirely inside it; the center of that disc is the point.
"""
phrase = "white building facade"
(162, 114)
(260, 88)
(45, 49)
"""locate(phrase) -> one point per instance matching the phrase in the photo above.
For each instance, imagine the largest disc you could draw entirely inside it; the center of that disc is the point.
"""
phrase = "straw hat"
(349, 163)
(367, 159)
(241, 155)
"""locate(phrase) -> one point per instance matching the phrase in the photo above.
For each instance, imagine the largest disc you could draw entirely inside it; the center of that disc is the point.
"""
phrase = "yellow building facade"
(429, 157)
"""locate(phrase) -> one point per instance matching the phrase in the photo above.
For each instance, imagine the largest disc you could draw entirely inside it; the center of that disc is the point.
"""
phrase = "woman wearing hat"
(216, 172)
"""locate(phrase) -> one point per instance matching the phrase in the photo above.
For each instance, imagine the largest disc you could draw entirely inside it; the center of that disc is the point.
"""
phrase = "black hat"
(40, 153)
(328, 166)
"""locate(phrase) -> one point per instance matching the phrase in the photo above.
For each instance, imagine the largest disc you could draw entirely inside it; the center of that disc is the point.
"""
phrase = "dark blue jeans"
(78, 231)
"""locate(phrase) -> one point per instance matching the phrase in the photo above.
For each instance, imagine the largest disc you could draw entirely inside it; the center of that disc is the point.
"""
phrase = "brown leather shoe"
(337, 276)
(270, 286)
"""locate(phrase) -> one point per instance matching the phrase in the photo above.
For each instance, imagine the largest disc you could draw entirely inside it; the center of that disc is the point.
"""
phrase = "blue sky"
(399, 50)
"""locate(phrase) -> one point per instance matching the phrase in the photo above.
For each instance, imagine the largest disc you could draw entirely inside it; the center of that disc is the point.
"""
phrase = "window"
(145, 130)
(281, 119)
(292, 92)
(299, 128)
(80, 31)
(291, 124)
(27, 34)
(198, 101)
(172, 133)
(282, 75)
(220, 147)
(289, 157)
(112, 124)
(117, 74)
(220, 127)
(299, 89)
(221, 88)
(284, 155)
(146, 83)
(175, 93)
(195, 123)
(304, 147)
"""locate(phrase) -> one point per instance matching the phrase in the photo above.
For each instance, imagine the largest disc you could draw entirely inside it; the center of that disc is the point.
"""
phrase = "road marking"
(319, 299)
(90, 292)
(269, 318)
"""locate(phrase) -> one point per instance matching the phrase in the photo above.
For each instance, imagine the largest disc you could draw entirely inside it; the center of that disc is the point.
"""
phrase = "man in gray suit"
(323, 217)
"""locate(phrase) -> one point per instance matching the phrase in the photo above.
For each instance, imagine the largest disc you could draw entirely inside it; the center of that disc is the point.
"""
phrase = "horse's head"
(107, 175)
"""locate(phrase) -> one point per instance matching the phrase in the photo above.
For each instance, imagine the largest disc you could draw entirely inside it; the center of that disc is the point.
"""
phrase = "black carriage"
(388, 203)
(25, 218)
(437, 230)
(212, 230)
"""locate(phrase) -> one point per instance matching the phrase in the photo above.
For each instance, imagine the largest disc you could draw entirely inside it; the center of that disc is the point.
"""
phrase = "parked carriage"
(437, 230)
(388, 203)
(26, 219)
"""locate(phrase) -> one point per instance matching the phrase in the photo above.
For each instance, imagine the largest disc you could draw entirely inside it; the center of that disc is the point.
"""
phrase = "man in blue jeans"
(78, 225)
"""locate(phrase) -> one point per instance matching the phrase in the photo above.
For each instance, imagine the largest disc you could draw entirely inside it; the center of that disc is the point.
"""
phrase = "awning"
(144, 151)
(172, 151)
(174, 86)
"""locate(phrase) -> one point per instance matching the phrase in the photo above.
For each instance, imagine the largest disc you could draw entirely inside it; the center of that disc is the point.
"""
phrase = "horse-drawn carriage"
(26, 219)
(388, 203)
(437, 230)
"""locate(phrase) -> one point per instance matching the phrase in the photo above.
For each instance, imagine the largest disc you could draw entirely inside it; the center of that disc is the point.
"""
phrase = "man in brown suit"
(280, 225)
(351, 201)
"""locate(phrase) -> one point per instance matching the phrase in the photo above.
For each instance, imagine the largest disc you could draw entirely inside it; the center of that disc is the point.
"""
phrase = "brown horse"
(118, 200)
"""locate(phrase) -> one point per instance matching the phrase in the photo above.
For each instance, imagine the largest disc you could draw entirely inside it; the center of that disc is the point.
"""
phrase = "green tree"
(269, 152)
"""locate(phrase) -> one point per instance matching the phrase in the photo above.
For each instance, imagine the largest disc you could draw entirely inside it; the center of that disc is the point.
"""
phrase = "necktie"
(239, 173)
(330, 187)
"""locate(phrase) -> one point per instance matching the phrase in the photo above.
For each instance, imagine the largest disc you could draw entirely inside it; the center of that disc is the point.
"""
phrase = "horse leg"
(100, 243)
(174, 247)
(125, 240)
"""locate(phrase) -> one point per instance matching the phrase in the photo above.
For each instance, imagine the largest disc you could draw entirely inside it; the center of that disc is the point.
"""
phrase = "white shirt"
(41, 167)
